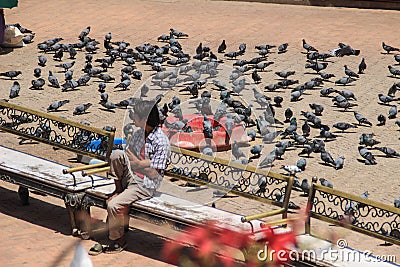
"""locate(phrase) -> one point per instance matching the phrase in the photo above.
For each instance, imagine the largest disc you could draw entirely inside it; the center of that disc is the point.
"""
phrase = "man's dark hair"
(148, 109)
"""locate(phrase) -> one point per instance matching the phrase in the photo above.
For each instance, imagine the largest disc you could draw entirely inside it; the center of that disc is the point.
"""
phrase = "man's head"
(146, 113)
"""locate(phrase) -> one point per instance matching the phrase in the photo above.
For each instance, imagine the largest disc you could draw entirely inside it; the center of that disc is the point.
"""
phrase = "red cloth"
(141, 157)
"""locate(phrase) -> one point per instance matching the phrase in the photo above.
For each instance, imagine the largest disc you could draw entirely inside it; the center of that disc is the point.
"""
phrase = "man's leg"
(118, 208)
(120, 170)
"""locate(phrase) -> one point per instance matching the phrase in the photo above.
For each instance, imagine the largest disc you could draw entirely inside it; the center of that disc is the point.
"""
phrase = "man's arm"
(142, 166)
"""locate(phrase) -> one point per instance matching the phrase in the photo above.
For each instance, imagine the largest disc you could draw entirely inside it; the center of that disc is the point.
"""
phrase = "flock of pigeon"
(185, 75)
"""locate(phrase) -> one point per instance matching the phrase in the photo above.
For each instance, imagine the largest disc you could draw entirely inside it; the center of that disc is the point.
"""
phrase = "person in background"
(5, 4)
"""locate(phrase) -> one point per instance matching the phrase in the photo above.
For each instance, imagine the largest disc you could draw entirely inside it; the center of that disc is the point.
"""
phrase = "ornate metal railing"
(356, 213)
(239, 179)
(56, 131)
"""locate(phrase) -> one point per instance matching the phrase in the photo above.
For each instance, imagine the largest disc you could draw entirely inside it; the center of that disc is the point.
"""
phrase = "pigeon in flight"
(344, 50)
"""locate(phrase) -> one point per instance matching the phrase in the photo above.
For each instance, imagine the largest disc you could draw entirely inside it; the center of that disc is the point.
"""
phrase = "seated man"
(138, 171)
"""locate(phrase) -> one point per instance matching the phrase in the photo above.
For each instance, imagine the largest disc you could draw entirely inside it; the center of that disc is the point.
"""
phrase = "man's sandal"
(114, 248)
(96, 249)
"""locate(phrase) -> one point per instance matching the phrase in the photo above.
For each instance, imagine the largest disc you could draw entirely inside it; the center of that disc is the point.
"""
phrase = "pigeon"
(14, 91)
(282, 48)
(56, 105)
(367, 139)
(66, 66)
(344, 50)
(207, 150)
(350, 73)
(317, 66)
(278, 101)
(301, 164)
(326, 157)
(42, 61)
(392, 90)
(288, 114)
(362, 66)
(251, 133)
(308, 47)
(305, 128)
(387, 99)
(339, 162)
(343, 126)
(389, 152)
(347, 94)
(392, 112)
(325, 182)
(37, 72)
(222, 47)
(268, 160)
(37, 84)
(367, 155)
(102, 87)
(364, 195)
(84, 33)
(317, 108)
(327, 91)
(285, 74)
(106, 77)
(326, 76)
(392, 70)
(11, 74)
(236, 152)
(291, 169)
(177, 33)
(381, 120)
(397, 203)
(83, 80)
(344, 81)
(256, 77)
(207, 127)
(58, 55)
(305, 187)
(53, 80)
(256, 150)
(389, 48)
(176, 125)
(397, 58)
(124, 84)
(361, 119)
(81, 109)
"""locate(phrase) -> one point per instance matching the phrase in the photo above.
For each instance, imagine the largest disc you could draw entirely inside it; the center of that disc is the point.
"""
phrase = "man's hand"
(134, 161)
(110, 198)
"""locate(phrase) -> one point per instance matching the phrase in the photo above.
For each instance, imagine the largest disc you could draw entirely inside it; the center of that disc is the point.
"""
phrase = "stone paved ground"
(34, 239)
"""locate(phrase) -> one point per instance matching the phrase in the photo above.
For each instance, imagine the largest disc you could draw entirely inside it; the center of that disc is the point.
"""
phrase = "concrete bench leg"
(23, 194)
(79, 214)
